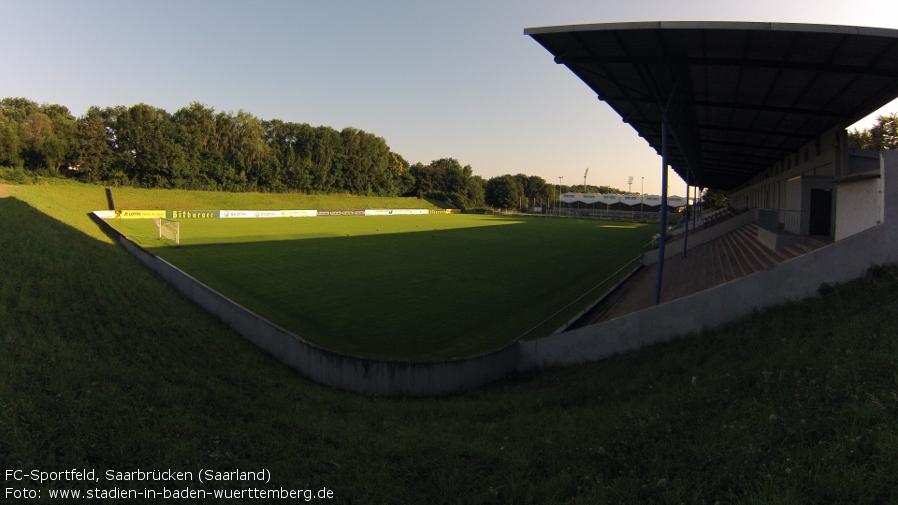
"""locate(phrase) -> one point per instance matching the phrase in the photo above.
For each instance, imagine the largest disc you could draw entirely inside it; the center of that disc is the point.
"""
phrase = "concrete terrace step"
(748, 250)
(762, 258)
(731, 256)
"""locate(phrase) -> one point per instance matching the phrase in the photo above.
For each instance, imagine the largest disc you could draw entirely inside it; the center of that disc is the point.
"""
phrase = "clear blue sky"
(436, 79)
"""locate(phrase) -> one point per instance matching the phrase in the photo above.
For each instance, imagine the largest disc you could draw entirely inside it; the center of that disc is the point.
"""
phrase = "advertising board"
(139, 214)
(394, 212)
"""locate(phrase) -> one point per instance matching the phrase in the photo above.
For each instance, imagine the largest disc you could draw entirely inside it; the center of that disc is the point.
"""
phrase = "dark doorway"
(821, 211)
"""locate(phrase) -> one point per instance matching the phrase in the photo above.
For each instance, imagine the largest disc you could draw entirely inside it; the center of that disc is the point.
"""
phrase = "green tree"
(287, 145)
(147, 151)
(48, 135)
(17, 109)
(367, 162)
(196, 132)
(475, 192)
(715, 198)
(881, 136)
(243, 144)
(504, 191)
(327, 160)
(93, 153)
(9, 142)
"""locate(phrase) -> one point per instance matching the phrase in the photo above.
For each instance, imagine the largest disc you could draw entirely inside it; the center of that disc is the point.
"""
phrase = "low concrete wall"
(769, 239)
(342, 371)
(702, 236)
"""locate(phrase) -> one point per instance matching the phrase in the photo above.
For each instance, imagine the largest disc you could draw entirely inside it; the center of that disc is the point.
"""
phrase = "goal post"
(169, 229)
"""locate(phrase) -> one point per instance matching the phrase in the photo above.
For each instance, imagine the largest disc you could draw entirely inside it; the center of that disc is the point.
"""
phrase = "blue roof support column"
(663, 238)
(686, 217)
(695, 193)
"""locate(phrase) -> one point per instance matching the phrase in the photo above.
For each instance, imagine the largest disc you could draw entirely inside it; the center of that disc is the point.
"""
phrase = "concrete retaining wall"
(342, 371)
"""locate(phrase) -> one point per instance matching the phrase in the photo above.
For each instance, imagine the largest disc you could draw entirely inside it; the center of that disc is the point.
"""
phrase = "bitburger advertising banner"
(191, 214)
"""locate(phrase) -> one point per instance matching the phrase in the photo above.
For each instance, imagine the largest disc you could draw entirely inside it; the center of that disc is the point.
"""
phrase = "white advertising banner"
(394, 212)
(249, 213)
(299, 213)
(105, 214)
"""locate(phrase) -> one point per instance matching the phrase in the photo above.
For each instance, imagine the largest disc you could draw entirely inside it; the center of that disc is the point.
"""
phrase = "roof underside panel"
(738, 97)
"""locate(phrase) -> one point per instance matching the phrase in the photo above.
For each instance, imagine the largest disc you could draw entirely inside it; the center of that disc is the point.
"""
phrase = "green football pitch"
(402, 287)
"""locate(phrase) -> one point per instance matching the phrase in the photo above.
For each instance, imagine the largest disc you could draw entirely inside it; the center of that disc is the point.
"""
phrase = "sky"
(435, 79)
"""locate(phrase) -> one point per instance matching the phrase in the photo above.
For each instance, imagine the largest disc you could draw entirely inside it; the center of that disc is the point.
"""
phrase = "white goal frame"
(168, 228)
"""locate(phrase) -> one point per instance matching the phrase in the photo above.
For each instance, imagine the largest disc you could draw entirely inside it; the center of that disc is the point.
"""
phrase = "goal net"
(169, 229)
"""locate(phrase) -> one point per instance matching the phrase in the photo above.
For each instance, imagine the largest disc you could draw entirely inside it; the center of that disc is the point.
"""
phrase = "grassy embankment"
(103, 366)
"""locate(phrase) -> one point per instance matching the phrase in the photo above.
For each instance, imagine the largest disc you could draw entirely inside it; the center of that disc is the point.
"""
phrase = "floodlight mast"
(560, 177)
(630, 184)
(584, 179)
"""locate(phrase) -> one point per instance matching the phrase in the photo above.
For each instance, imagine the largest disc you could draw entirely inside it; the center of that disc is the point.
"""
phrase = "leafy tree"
(400, 177)
(17, 109)
(504, 191)
(367, 162)
(146, 147)
(93, 154)
(882, 135)
(715, 198)
(327, 160)
(9, 142)
(288, 145)
(47, 136)
(475, 193)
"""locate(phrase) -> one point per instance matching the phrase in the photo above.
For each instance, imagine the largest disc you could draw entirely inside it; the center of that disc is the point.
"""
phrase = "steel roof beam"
(732, 62)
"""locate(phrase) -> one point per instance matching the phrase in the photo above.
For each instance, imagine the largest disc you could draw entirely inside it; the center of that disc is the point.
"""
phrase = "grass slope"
(171, 199)
(70, 202)
(103, 366)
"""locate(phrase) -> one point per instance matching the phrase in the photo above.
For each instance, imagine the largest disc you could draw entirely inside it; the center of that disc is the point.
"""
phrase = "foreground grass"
(103, 366)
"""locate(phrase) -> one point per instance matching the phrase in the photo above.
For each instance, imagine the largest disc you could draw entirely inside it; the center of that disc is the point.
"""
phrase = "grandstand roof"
(739, 96)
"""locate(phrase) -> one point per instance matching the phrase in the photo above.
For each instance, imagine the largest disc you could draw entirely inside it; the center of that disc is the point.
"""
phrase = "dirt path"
(4, 190)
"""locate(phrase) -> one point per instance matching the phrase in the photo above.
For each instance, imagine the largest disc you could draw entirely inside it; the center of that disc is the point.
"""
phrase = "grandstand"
(759, 110)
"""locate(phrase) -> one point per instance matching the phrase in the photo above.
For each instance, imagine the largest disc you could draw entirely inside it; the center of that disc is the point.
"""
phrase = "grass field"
(416, 287)
(103, 366)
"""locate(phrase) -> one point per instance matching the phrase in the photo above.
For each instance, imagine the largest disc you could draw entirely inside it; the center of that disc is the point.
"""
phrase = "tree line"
(197, 147)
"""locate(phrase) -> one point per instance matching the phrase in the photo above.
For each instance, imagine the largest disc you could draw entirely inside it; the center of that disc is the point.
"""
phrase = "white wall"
(859, 206)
